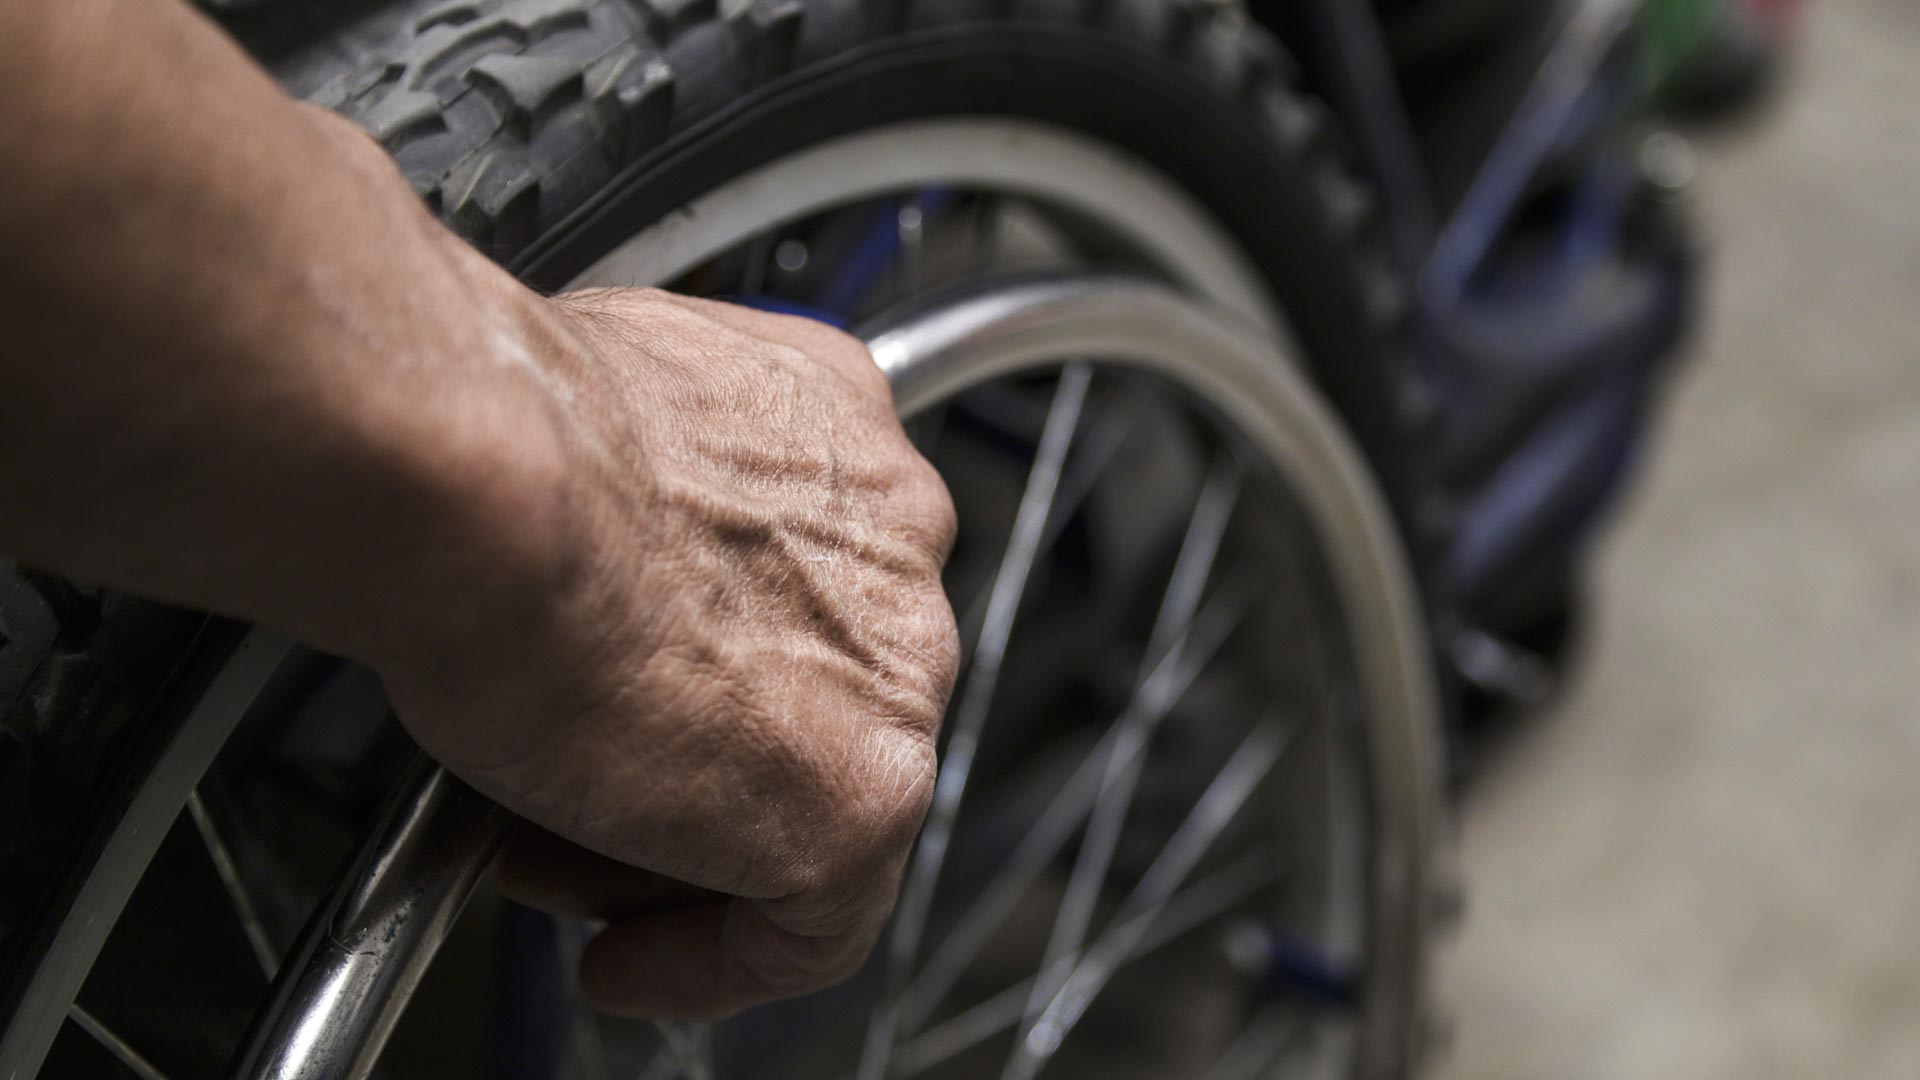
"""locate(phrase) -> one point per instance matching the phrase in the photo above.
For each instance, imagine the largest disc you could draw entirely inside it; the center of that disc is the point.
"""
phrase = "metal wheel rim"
(1049, 164)
(1139, 324)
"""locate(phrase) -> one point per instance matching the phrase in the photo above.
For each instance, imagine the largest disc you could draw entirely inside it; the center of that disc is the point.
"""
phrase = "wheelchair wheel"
(1131, 305)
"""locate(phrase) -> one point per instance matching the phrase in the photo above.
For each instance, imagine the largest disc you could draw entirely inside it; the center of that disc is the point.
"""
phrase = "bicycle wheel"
(845, 162)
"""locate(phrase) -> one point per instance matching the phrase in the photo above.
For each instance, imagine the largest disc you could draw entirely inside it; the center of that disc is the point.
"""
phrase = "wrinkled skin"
(743, 690)
(660, 575)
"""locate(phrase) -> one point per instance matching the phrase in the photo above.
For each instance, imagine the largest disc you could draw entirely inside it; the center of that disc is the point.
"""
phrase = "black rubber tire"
(546, 131)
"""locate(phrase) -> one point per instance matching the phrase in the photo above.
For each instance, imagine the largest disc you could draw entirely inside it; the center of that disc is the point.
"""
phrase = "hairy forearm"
(244, 368)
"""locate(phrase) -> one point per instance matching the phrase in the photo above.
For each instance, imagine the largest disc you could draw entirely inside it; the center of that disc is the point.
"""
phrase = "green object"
(1672, 35)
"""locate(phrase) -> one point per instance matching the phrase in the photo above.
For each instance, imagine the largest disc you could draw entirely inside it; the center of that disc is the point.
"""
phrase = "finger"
(542, 870)
(709, 961)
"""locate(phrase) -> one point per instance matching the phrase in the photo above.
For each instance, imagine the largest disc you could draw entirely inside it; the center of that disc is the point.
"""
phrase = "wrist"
(469, 498)
(493, 532)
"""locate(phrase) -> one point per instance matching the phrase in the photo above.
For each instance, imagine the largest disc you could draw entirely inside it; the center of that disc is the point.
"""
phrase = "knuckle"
(933, 636)
(817, 342)
(925, 510)
(945, 518)
(868, 832)
(858, 355)
(944, 633)
(901, 789)
(914, 700)
(851, 355)
(833, 341)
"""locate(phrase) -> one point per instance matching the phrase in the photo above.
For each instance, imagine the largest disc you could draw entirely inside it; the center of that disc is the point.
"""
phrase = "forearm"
(244, 368)
(659, 574)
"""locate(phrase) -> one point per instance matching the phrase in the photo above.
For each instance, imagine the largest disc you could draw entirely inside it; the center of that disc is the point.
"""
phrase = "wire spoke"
(586, 1045)
(1056, 824)
(229, 873)
(1191, 571)
(703, 1063)
(589, 1050)
(1207, 899)
(1217, 807)
(1252, 1053)
(692, 1047)
(1099, 441)
(1115, 421)
(664, 1065)
(114, 1044)
(975, 701)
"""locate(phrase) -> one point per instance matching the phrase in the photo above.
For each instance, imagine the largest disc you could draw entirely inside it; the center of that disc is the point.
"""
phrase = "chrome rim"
(1075, 174)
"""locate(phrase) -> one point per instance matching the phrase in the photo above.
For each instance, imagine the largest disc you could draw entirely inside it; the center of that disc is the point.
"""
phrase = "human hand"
(660, 575)
(728, 702)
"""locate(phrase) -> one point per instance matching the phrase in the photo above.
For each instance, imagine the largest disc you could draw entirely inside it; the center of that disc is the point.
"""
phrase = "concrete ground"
(1706, 863)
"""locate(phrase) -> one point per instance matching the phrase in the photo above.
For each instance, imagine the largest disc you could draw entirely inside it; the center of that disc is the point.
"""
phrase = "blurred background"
(1704, 860)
